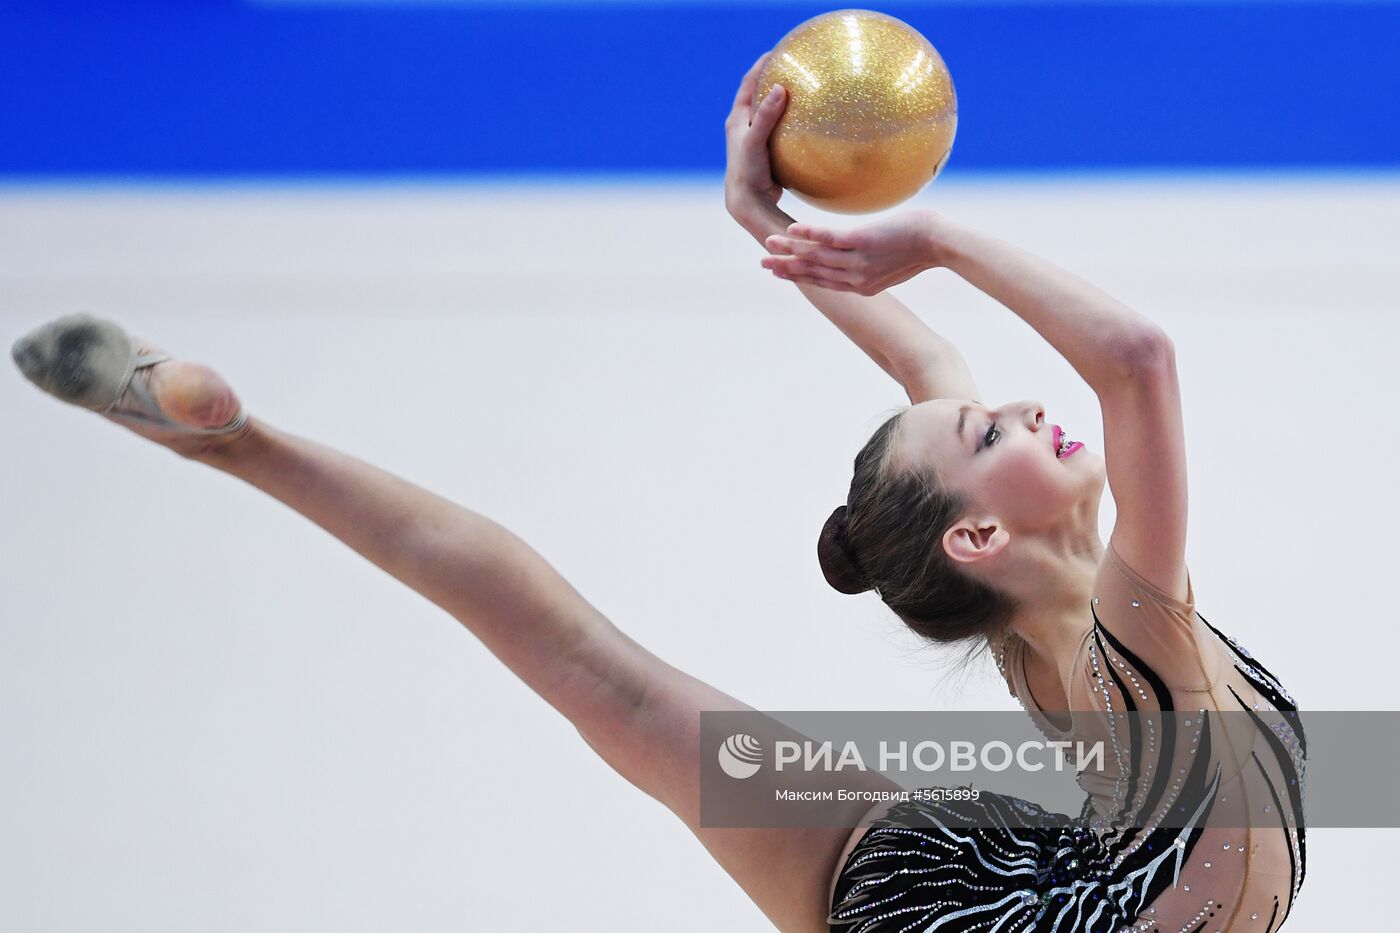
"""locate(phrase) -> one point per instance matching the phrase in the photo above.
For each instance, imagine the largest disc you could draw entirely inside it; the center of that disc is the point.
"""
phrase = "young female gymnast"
(970, 522)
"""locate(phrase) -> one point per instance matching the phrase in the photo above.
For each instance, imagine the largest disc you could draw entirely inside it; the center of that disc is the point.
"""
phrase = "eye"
(987, 440)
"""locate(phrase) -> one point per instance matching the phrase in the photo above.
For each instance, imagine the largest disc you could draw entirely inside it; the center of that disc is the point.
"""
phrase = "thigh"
(652, 738)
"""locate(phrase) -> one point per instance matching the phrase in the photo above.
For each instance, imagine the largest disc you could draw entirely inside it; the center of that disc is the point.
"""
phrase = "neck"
(1053, 581)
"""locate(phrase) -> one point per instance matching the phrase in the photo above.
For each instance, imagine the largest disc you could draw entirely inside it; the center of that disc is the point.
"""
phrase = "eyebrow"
(962, 420)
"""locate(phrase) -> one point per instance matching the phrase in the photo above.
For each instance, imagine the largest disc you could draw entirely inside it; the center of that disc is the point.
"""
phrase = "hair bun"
(839, 565)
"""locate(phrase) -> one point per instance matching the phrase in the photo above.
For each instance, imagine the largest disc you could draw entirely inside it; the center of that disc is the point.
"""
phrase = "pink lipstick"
(1058, 437)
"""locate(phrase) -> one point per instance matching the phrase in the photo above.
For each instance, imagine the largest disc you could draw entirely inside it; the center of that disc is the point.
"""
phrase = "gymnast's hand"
(748, 176)
(866, 260)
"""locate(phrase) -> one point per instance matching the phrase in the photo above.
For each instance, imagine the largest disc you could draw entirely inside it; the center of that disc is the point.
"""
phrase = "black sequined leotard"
(1234, 861)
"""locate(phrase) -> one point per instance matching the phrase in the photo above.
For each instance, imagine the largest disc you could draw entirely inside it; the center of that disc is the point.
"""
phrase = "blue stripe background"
(145, 88)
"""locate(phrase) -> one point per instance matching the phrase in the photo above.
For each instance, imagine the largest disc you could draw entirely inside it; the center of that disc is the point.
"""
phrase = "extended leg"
(639, 713)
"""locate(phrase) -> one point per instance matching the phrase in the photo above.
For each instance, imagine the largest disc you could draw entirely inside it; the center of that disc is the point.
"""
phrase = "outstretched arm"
(925, 363)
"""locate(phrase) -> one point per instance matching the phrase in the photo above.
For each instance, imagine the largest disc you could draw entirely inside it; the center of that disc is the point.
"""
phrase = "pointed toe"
(78, 358)
(27, 357)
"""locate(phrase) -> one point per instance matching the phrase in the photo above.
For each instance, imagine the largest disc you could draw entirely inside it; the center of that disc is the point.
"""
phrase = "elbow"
(1152, 350)
(1141, 353)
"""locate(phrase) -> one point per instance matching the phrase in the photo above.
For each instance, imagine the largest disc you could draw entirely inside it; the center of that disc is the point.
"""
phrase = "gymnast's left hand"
(866, 260)
(748, 175)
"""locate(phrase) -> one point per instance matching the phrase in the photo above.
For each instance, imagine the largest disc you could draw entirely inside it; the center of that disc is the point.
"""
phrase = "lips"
(1057, 436)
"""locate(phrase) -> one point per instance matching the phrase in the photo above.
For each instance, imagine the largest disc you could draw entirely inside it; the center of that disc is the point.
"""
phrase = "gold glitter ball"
(871, 112)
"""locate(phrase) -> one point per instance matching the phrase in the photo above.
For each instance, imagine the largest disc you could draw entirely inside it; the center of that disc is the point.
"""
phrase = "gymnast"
(976, 525)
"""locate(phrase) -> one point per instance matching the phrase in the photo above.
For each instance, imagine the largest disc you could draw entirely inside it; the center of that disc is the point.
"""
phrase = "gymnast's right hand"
(748, 177)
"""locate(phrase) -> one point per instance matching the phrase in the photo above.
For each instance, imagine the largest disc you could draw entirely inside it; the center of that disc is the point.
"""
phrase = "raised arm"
(1092, 330)
(925, 363)
(1125, 358)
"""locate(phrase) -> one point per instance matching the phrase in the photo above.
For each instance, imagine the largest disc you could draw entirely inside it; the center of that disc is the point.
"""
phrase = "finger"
(792, 265)
(830, 284)
(819, 282)
(806, 249)
(841, 239)
(779, 245)
(788, 265)
(769, 112)
(744, 98)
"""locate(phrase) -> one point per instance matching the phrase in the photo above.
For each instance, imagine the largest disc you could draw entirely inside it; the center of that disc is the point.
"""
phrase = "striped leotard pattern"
(1140, 855)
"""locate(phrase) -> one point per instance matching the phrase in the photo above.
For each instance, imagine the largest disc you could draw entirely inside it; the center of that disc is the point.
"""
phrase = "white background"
(214, 717)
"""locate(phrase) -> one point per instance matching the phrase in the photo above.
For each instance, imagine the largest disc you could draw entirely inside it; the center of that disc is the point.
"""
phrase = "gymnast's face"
(1004, 462)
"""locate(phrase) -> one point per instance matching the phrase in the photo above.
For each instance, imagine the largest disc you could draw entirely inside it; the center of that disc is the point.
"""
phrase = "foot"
(85, 361)
(192, 396)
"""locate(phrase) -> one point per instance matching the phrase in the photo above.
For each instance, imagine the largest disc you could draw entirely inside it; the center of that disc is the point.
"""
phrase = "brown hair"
(888, 537)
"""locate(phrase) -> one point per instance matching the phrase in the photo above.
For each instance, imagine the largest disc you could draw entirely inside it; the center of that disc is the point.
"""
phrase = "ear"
(971, 540)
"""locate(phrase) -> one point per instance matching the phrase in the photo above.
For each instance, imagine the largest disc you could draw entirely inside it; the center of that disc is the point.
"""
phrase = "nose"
(1032, 413)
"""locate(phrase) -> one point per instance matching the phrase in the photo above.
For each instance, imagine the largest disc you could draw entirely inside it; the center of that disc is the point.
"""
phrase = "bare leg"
(639, 713)
(472, 567)
(478, 571)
